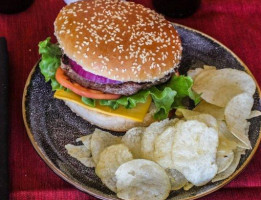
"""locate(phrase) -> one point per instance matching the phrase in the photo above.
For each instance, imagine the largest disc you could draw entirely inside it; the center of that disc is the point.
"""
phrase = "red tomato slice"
(65, 81)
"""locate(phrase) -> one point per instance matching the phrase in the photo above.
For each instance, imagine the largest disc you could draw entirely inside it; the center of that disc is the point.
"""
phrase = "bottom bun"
(113, 123)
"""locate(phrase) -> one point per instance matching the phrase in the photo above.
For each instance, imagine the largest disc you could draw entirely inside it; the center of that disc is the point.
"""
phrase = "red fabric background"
(235, 23)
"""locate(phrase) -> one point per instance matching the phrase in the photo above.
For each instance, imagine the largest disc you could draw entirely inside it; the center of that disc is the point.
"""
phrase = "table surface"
(235, 23)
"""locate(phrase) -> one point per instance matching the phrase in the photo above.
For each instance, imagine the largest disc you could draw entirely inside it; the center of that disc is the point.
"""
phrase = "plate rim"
(91, 191)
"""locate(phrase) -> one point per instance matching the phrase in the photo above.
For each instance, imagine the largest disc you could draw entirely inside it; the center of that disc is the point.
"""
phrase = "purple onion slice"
(90, 76)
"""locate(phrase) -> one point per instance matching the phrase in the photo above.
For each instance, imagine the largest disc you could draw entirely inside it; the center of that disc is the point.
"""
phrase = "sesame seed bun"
(119, 40)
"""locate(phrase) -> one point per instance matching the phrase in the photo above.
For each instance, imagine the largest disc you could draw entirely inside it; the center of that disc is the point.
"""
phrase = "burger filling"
(113, 87)
(167, 93)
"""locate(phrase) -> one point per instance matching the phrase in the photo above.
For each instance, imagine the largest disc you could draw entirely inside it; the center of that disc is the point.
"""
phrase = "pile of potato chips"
(200, 145)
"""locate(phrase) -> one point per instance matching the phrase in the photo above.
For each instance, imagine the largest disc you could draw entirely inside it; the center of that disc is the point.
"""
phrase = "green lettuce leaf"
(111, 103)
(183, 84)
(163, 100)
(50, 61)
(88, 101)
(127, 101)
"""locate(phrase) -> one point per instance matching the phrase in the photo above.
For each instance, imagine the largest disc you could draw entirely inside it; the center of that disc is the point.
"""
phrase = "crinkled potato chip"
(247, 129)
(132, 139)
(194, 151)
(237, 111)
(100, 140)
(207, 108)
(231, 169)
(209, 120)
(194, 72)
(224, 160)
(188, 186)
(81, 153)
(227, 142)
(254, 113)
(202, 73)
(207, 67)
(163, 147)
(142, 179)
(222, 127)
(110, 159)
(86, 140)
(177, 180)
(226, 146)
(240, 150)
(218, 87)
(149, 136)
(182, 112)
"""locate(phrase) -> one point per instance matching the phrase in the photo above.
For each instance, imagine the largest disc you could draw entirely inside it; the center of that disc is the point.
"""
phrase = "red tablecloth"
(235, 23)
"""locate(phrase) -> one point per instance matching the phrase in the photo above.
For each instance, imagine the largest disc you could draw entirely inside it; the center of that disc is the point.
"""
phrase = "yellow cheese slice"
(137, 114)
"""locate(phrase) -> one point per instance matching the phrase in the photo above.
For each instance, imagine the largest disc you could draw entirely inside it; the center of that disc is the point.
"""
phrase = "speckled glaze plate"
(51, 125)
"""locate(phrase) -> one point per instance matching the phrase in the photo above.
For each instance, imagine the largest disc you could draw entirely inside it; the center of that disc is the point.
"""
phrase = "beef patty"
(125, 88)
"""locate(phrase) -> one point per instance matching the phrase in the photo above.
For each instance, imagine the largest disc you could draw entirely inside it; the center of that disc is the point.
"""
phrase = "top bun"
(119, 40)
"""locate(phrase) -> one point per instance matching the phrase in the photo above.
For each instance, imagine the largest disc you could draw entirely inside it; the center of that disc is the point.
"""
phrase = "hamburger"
(115, 63)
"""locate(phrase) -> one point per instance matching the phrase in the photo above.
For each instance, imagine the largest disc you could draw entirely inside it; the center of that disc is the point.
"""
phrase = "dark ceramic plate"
(51, 124)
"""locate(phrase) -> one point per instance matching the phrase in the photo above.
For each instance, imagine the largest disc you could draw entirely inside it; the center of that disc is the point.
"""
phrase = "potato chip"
(163, 147)
(209, 120)
(81, 153)
(193, 73)
(132, 139)
(86, 140)
(228, 135)
(231, 169)
(218, 87)
(194, 151)
(240, 150)
(226, 146)
(207, 67)
(227, 141)
(247, 129)
(207, 108)
(110, 159)
(177, 180)
(237, 111)
(100, 140)
(182, 112)
(188, 186)
(202, 74)
(149, 136)
(254, 113)
(224, 160)
(142, 179)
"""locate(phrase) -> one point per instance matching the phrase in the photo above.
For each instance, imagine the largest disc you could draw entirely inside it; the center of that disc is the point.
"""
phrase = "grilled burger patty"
(125, 88)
